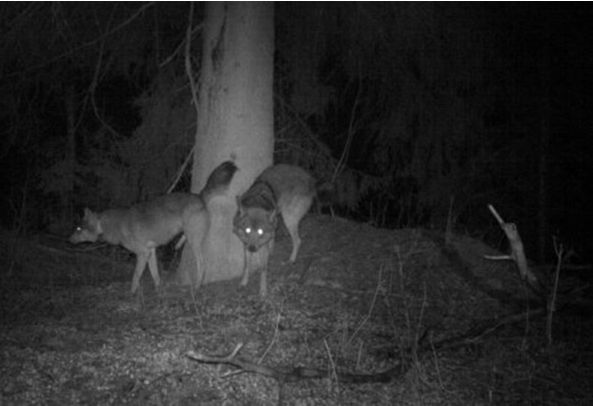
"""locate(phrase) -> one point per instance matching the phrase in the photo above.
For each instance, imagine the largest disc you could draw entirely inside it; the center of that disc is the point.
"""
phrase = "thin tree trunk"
(235, 121)
(544, 143)
(70, 158)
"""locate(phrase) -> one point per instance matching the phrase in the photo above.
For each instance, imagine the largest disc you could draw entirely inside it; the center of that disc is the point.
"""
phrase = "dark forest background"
(419, 112)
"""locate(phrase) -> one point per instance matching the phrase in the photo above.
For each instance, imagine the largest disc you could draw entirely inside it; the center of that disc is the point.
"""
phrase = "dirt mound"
(357, 300)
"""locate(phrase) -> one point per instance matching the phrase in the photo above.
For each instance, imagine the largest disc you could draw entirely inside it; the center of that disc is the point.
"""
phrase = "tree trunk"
(70, 158)
(544, 146)
(235, 121)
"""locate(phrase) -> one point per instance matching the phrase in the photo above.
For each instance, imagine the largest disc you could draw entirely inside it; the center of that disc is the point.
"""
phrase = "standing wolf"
(281, 189)
(145, 226)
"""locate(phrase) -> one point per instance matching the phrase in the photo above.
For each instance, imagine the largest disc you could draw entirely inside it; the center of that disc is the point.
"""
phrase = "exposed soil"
(357, 300)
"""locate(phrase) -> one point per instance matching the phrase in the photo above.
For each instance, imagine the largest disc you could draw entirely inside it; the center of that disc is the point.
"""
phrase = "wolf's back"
(260, 195)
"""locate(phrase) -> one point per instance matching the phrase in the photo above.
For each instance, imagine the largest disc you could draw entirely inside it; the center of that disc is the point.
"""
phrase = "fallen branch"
(517, 251)
(294, 374)
(486, 328)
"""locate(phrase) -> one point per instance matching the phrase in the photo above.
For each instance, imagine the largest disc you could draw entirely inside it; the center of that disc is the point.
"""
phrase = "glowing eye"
(260, 231)
(248, 230)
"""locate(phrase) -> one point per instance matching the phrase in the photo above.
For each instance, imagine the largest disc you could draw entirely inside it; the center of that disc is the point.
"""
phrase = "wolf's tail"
(217, 183)
(219, 180)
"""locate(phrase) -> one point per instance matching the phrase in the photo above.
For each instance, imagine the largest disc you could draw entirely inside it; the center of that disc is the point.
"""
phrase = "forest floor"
(359, 301)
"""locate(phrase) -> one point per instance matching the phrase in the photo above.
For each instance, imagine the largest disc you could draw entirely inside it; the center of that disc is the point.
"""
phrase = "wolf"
(284, 190)
(145, 226)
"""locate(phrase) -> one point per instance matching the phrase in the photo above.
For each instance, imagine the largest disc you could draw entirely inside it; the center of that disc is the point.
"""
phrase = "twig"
(274, 337)
(378, 288)
(181, 170)
(188, 68)
(346, 151)
(559, 249)
(305, 270)
(193, 90)
(168, 59)
(332, 365)
(448, 229)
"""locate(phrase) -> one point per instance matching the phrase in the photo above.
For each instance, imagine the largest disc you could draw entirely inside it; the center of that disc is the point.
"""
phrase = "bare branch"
(188, 68)
(517, 250)
(168, 59)
(193, 90)
(93, 87)
(100, 38)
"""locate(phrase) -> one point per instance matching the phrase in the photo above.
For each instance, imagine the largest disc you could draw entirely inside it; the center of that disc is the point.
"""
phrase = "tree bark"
(235, 121)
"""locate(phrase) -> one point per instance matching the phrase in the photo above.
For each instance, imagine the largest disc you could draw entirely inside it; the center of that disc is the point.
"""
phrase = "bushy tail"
(219, 180)
(217, 183)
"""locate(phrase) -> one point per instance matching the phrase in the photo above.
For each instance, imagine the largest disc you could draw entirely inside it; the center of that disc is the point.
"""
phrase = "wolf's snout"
(252, 248)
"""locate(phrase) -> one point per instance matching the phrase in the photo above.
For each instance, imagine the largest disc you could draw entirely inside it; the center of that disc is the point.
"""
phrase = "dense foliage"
(418, 112)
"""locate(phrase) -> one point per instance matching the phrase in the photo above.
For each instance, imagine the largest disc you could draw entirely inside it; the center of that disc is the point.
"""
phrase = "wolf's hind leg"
(292, 217)
(141, 259)
(153, 267)
(291, 221)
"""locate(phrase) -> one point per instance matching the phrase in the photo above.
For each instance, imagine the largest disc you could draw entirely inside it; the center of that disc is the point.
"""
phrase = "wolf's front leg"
(246, 256)
(263, 281)
(153, 267)
(141, 259)
(264, 261)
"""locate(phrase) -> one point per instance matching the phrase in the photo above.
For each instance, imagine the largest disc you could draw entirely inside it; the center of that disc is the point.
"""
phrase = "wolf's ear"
(90, 216)
(239, 207)
(273, 215)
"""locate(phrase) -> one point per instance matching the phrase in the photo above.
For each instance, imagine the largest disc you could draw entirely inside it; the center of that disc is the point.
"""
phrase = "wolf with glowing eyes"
(284, 190)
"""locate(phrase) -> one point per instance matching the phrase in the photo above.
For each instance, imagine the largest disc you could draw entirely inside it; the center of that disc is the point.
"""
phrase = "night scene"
(259, 203)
